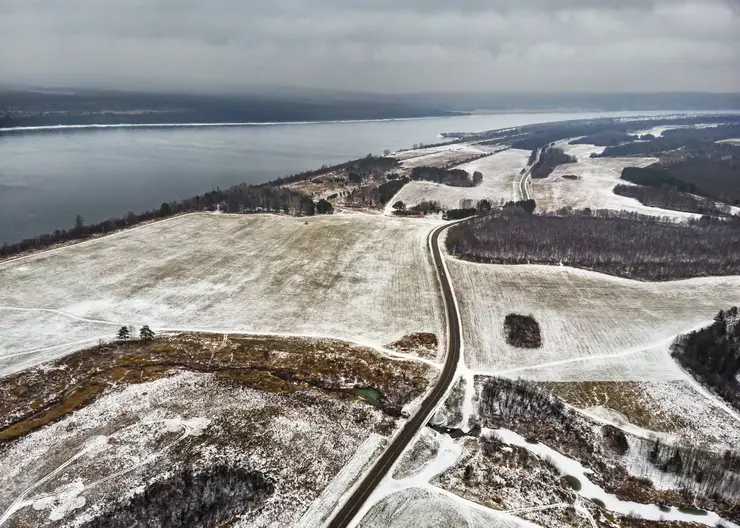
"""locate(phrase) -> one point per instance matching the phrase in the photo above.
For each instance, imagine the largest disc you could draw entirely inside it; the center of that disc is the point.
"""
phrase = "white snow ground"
(500, 172)
(597, 178)
(360, 277)
(440, 155)
(414, 502)
(594, 326)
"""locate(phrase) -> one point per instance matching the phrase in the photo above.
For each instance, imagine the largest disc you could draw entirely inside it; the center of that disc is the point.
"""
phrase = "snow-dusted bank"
(591, 491)
(257, 273)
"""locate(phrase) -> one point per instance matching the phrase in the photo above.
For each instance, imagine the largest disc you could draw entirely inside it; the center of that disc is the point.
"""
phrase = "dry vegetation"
(421, 344)
(535, 415)
(34, 398)
(624, 397)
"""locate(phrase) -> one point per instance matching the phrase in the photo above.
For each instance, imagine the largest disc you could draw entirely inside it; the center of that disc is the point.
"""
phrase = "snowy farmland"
(439, 156)
(593, 188)
(500, 174)
(594, 326)
(354, 276)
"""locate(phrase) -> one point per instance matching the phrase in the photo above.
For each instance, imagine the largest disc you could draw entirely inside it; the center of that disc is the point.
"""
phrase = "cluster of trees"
(452, 177)
(698, 472)
(390, 188)
(458, 214)
(213, 497)
(694, 141)
(606, 138)
(504, 401)
(712, 355)
(716, 178)
(522, 331)
(125, 333)
(422, 208)
(550, 158)
(618, 243)
(667, 198)
(528, 206)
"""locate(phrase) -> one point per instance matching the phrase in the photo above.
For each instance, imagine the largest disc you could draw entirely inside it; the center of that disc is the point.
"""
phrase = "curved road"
(523, 191)
(352, 506)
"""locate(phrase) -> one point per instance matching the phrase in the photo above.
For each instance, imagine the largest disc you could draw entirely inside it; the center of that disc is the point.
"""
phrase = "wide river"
(48, 177)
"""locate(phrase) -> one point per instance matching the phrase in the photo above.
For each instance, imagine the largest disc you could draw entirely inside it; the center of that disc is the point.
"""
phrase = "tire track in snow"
(60, 312)
(390, 354)
(21, 501)
(51, 347)
(597, 357)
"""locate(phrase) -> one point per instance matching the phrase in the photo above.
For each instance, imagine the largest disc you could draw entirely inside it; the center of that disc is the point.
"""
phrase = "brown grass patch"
(624, 397)
(78, 397)
(31, 399)
(421, 344)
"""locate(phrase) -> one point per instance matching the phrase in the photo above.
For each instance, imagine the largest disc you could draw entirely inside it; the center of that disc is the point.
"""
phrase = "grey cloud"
(386, 45)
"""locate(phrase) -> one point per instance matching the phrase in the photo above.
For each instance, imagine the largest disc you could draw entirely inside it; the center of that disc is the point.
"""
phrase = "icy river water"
(49, 176)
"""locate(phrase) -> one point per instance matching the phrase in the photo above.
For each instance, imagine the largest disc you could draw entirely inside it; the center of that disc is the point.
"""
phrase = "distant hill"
(69, 107)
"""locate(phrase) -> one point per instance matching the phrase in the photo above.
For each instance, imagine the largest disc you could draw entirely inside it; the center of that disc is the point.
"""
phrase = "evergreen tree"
(124, 334)
(146, 333)
(324, 207)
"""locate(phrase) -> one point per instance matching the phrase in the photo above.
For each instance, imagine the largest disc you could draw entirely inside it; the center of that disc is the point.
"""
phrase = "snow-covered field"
(594, 326)
(500, 174)
(361, 277)
(432, 508)
(440, 155)
(597, 178)
(109, 450)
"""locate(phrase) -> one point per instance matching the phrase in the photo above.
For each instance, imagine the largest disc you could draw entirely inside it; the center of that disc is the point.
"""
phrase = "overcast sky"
(374, 45)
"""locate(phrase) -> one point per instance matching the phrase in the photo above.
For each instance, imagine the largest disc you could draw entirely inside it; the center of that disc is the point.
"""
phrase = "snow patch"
(589, 490)
(67, 499)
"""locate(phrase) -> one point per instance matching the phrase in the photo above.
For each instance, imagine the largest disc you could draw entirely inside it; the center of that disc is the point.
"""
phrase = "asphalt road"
(525, 177)
(353, 505)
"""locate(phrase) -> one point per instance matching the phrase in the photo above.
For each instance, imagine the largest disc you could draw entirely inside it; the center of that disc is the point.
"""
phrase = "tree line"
(550, 158)
(618, 243)
(694, 470)
(270, 197)
(712, 355)
(452, 177)
(241, 198)
(667, 198)
(695, 141)
(716, 178)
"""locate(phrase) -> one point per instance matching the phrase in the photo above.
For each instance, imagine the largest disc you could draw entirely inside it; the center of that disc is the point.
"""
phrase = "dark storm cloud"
(386, 45)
